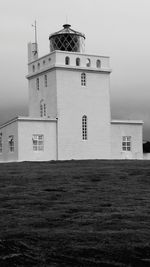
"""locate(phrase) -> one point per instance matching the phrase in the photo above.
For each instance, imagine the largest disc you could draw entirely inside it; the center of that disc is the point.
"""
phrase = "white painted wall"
(60, 60)
(126, 129)
(47, 94)
(7, 130)
(69, 101)
(25, 131)
(74, 101)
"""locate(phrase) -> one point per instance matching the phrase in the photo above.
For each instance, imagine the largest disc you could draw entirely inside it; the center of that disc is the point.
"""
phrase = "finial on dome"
(66, 26)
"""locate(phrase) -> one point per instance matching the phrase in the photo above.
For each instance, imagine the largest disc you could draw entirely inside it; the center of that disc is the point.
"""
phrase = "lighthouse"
(69, 108)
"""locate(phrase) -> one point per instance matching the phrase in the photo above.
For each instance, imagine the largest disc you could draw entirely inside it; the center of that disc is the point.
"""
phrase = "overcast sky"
(116, 28)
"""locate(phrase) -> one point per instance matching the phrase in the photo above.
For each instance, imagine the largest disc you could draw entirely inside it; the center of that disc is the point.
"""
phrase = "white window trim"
(45, 80)
(84, 128)
(38, 142)
(67, 60)
(38, 83)
(83, 79)
(11, 144)
(126, 143)
(88, 62)
(43, 109)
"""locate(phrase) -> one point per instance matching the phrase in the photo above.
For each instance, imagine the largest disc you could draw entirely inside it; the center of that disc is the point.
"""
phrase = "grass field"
(75, 213)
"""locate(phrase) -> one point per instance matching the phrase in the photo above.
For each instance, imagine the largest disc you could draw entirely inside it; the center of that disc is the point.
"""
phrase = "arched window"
(88, 62)
(83, 79)
(67, 60)
(38, 65)
(11, 143)
(37, 84)
(98, 63)
(33, 68)
(45, 80)
(84, 127)
(43, 109)
(77, 61)
(43, 62)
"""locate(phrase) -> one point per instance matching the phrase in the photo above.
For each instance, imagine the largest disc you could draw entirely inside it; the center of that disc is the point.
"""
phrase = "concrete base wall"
(6, 131)
(26, 131)
(23, 131)
(126, 129)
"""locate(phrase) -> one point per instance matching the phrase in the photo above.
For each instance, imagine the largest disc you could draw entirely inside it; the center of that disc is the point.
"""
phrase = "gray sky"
(117, 28)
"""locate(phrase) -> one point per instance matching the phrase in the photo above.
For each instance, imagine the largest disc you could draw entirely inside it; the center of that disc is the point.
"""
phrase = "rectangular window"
(83, 79)
(1, 144)
(38, 142)
(84, 127)
(41, 110)
(11, 143)
(126, 143)
(45, 80)
(45, 110)
(37, 84)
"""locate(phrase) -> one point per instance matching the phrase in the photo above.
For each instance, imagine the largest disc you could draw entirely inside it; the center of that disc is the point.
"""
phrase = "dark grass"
(75, 213)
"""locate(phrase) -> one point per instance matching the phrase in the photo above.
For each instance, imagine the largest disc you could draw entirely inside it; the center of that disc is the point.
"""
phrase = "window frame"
(98, 63)
(126, 143)
(38, 142)
(43, 109)
(11, 143)
(38, 65)
(45, 80)
(78, 60)
(83, 79)
(37, 84)
(67, 60)
(84, 128)
(88, 62)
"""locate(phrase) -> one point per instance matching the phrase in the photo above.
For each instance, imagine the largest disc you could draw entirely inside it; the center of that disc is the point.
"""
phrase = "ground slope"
(75, 213)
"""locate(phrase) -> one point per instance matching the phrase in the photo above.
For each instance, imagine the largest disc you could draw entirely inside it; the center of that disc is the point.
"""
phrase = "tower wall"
(45, 94)
(67, 100)
(75, 101)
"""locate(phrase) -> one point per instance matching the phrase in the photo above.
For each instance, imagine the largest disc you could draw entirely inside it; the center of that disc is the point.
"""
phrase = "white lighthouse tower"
(74, 88)
(69, 108)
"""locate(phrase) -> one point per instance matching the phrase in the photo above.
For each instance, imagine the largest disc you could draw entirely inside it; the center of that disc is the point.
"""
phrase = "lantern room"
(67, 39)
